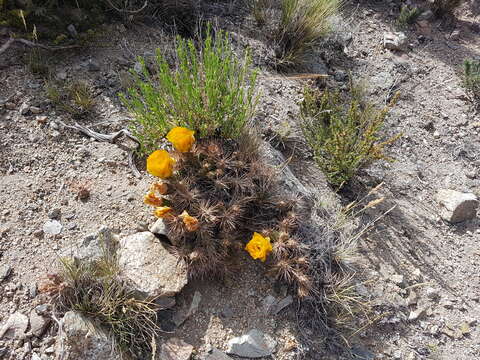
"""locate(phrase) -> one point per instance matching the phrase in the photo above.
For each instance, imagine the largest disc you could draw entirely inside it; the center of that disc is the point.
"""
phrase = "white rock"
(15, 326)
(52, 227)
(255, 344)
(456, 206)
(81, 340)
(149, 267)
(159, 227)
(394, 40)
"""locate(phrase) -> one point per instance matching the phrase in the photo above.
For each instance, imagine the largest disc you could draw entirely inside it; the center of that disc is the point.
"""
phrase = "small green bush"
(75, 98)
(343, 134)
(408, 16)
(302, 24)
(210, 91)
(471, 77)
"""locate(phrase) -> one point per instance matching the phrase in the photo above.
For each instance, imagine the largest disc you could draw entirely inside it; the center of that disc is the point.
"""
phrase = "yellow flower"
(152, 199)
(160, 164)
(181, 138)
(259, 247)
(163, 211)
(191, 223)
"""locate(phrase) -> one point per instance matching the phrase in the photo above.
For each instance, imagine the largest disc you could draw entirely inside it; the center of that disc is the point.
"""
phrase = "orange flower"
(152, 199)
(181, 138)
(163, 211)
(191, 223)
(160, 164)
(162, 188)
(259, 247)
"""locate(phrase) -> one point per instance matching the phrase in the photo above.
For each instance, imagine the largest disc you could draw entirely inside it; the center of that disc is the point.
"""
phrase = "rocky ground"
(421, 270)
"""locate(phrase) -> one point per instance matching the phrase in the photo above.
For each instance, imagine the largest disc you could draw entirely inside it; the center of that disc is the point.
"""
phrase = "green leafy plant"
(344, 134)
(210, 91)
(93, 288)
(471, 77)
(408, 16)
(303, 23)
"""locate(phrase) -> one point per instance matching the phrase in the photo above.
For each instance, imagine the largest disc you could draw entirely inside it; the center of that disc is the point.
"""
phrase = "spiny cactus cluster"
(222, 192)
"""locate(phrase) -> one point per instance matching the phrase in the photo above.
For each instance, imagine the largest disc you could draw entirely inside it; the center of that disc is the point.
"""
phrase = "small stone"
(455, 35)
(268, 304)
(38, 324)
(61, 75)
(5, 271)
(426, 15)
(24, 109)
(49, 350)
(395, 40)
(282, 304)
(457, 207)
(41, 119)
(159, 227)
(10, 106)
(71, 226)
(226, 312)
(52, 227)
(432, 293)
(138, 67)
(55, 213)
(176, 349)
(254, 344)
(398, 280)
(216, 354)
(35, 110)
(36, 357)
(42, 309)
(32, 290)
(93, 65)
(414, 315)
(71, 29)
(15, 327)
(412, 298)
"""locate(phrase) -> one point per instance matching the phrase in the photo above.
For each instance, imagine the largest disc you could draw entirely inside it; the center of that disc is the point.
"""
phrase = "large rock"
(15, 327)
(149, 267)
(176, 349)
(254, 344)
(80, 340)
(456, 206)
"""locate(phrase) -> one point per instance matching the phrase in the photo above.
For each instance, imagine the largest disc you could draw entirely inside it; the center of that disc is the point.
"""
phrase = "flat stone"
(52, 227)
(38, 324)
(176, 349)
(456, 206)
(159, 227)
(5, 271)
(94, 246)
(268, 304)
(216, 354)
(395, 40)
(80, 340)
(15, 326)
(254, 344)
(149, 267)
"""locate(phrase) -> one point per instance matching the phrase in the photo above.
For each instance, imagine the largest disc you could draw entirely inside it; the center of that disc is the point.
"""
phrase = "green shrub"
(471, 77)
(408, 16)
(210, 91)
(302, 24)
(343, 134)
(445, 7)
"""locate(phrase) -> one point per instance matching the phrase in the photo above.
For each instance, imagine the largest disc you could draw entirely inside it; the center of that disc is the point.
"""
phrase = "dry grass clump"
(210, 91)
(471, 77)
(75, 98)
(344, 134)
(302, 24)
(93, 288)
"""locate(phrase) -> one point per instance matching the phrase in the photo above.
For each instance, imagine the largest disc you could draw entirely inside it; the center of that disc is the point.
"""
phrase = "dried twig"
(34, 44)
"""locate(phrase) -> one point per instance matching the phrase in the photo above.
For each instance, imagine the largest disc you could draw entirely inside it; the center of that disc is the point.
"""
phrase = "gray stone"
(159, 227)
(79, 339)
(93, 65)
(395, 40)
(24, 109)
(432, 293)
(282, 304)
(269, 303)
(455, 206)
(61, 75)
(217, 355)
(138, 68)
(149, 267)
(254, 344)
(35, 110)
(414, 315)
(71, 29)
(38, 323)
(426, 15)
(5, 271)
(15, 326)
(398, 280)
(176, 349)
(42, 309)
(55, 213)
(96, 245)
(52, 227)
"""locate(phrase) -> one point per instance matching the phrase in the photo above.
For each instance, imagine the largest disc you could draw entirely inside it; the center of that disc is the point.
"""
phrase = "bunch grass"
(471, 77)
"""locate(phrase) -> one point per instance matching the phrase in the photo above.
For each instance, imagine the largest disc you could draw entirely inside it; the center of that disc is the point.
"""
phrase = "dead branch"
(34, 44)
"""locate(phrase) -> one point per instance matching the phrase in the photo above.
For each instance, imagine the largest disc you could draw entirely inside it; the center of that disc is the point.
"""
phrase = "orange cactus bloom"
(259, 247)
(152, 199)
(160, 164)
(181, 138)
(191, 223)
(163, 212)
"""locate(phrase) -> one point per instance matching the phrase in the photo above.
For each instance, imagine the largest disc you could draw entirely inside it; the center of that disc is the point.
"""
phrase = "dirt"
(43, 166)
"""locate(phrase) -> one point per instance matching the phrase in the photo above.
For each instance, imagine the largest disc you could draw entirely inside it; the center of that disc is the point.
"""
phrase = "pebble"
(35, 110)
(254, 344)
(5, 271)
(55, 213)
(93, 65)
(52, 227)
